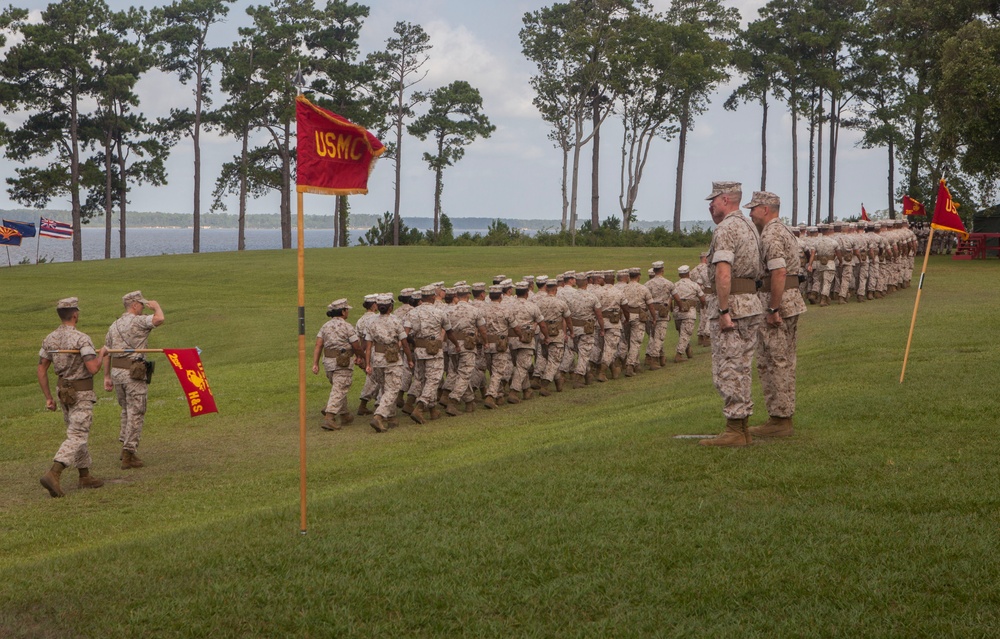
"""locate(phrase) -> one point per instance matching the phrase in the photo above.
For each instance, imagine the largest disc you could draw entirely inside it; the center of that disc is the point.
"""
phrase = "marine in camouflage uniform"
(406, 378)
(130, 331)
(525, 318)
(75, 391)
(339, 346)
(467, 331)
(640, 310)
(734, 309)
(370, 389)
(612, 302)
(776, 350)
(699, 275)
(385, 345)
(427, 326)
(498, 324)
(686, 297)
(555, 313)
(586, 322)
(661, 289)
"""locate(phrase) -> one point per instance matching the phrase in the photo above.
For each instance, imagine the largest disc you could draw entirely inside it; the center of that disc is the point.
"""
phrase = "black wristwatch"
(772, 311)
(723, 311)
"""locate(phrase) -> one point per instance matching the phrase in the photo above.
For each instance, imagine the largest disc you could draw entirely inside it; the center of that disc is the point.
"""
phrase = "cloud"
(459, 54)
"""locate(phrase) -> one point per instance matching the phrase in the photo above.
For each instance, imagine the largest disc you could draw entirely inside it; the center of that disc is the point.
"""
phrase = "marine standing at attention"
(75, 372)
(734, 309)
(780, 294)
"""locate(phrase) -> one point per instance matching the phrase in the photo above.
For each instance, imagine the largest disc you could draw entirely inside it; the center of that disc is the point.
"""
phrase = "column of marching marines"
(445, 350)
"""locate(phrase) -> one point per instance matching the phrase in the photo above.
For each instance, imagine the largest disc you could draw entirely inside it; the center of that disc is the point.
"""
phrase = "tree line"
(918, 78)
(72, 75)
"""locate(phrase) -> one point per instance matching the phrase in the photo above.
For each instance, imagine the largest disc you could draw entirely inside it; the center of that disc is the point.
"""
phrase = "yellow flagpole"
(302, 368)
(916, 304)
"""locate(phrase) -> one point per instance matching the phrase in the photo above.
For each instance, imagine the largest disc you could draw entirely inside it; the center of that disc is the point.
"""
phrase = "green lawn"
(577, 515)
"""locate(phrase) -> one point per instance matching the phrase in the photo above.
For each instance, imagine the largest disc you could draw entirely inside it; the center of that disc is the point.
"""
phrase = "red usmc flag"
(191, 375)
(335, 156)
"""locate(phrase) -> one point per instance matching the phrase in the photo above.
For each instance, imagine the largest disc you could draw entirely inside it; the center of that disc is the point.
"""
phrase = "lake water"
(146, 241)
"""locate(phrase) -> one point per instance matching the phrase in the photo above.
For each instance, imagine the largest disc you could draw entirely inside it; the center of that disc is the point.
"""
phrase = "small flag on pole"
(9, 236)
(912, 207)
(946, 213)
(864, 214)
(191, 374)
(26, 229)
(57, 230)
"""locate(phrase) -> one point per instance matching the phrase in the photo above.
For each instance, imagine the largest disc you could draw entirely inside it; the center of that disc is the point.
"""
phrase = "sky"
(516, 172)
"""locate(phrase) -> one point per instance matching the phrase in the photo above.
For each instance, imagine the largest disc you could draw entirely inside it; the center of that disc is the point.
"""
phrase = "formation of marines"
(863, 260)
(445, 348)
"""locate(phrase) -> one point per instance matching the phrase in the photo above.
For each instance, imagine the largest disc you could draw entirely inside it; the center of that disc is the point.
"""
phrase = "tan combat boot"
(559, 381)
(346, 418)
(50, 480)
(490, 402)
(824, 300)
(588, 377)
(616, 368)
(708, 341)
(87, 480)
(400, 399)
(379, 424)
(512, 397)
(417, 414)
(679, 359)
(578, 380)
(470, 406)
(687, 351)
(528, 394)
(652, 363)
(536, 383)
(435, 412)
(407, 408)
(861, 297)
(543, 390)
(451, 408)
(663, 357)
(130, 460)
(603, 373)
(774, 427)
(329, 423)
(842, 300)
(735, 435)
(363, 408)
(630, 371)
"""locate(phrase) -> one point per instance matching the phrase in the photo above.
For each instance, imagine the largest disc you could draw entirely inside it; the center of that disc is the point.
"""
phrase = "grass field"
(577, 515)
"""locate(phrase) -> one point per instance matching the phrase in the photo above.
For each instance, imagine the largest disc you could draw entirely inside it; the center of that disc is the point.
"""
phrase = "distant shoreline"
(271, 221)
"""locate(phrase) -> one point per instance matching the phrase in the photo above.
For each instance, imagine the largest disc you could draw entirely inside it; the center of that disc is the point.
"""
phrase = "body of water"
(146, 241)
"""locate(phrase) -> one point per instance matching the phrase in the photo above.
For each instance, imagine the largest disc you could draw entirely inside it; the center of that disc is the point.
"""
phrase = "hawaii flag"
(335, 156)
(946, 213)
(191, 374)
(58, 230)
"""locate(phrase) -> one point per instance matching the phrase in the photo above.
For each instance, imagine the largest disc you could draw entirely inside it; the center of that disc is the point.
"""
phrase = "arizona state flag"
(9, 236)
(191, 375)
(335, 156)
(912, 207)
(946, 213)
(864, 214)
